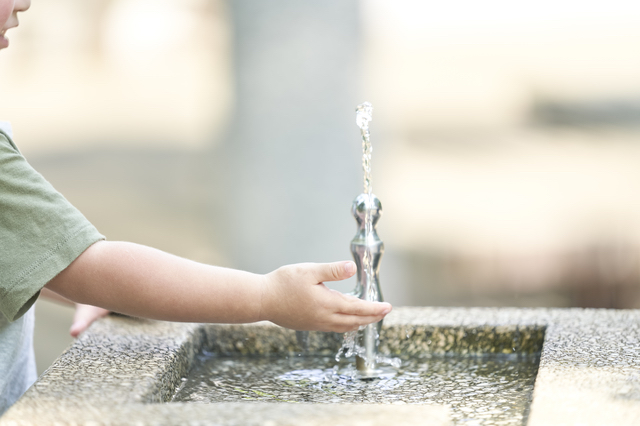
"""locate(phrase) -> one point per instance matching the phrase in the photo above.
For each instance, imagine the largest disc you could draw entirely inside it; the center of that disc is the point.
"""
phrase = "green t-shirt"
(41, 233)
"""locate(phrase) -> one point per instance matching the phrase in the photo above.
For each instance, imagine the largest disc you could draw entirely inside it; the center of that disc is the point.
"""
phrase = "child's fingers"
(344, 323)
(355, 306)
(355, 313)
(335, 271)
(78, 327)
(84, 316)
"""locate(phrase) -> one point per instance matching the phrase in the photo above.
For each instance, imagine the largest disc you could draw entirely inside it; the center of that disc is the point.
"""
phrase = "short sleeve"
(41, 233)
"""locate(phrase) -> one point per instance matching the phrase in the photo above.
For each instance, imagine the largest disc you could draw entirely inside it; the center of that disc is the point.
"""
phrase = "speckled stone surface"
(123, 369)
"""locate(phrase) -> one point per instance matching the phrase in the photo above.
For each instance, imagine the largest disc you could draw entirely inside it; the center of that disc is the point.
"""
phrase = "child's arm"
(145, 282)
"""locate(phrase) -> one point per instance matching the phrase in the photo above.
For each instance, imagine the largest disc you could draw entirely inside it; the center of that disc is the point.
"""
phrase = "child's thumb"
(335, 271)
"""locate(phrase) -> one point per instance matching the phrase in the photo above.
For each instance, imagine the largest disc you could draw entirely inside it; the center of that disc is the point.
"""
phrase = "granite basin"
(126, 370)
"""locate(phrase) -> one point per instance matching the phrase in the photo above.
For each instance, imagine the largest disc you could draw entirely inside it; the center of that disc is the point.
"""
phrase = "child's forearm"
(142, 281)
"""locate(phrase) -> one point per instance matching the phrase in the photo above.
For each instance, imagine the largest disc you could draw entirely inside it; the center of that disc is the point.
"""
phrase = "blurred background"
(506, 138)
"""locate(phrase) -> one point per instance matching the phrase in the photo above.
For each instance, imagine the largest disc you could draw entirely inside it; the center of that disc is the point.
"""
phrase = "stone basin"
(126, 370)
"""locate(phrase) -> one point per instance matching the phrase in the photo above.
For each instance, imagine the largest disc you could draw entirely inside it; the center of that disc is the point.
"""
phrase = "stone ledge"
(119, 370)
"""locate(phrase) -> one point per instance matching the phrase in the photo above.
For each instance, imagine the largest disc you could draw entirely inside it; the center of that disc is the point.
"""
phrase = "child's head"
(9, 17)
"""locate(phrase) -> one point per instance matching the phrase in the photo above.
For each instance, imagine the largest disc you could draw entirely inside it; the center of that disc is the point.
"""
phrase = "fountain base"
(493, 388)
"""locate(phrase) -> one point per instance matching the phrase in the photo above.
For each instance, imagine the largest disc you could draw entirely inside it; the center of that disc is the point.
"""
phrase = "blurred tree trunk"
(292, 157)
(95, 12)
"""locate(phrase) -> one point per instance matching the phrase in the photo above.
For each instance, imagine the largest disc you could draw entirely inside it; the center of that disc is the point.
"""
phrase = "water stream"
(364, 115)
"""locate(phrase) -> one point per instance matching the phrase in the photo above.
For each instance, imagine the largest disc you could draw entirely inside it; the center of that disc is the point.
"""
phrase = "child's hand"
(85, 315)
(294, 296)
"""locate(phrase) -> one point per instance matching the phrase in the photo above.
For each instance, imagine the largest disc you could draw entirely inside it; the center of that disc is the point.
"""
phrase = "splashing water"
(351, 347)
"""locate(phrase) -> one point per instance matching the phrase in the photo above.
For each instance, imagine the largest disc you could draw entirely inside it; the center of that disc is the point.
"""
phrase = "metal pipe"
(367, 250)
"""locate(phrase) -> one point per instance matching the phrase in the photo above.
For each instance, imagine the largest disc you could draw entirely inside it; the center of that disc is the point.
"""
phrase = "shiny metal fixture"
(366, 243)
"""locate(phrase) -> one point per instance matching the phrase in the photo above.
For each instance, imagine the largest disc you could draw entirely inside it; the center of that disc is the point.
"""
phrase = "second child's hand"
(84, 316)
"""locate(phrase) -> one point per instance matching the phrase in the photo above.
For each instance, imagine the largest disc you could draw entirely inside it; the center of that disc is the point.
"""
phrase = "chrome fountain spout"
(367, 204)
(367, 250)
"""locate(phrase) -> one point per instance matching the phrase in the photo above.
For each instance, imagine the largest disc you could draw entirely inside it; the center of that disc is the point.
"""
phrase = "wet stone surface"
(486, 390)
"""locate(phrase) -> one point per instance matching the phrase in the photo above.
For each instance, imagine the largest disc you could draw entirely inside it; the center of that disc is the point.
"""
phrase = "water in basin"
(483, 390)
